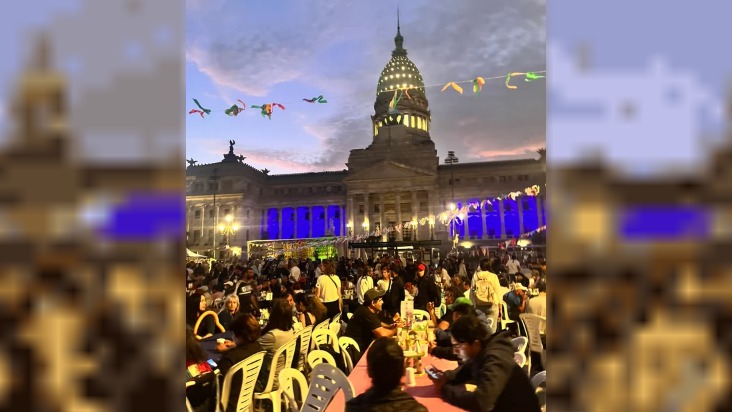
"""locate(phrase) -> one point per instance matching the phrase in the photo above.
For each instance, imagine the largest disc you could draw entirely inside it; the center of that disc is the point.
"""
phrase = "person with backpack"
(484, 291)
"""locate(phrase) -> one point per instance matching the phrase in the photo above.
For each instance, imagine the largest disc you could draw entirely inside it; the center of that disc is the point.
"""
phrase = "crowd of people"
(464, 301)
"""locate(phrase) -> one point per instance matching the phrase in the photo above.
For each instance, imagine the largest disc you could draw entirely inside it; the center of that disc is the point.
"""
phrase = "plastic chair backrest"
(491, 323)
(203, 315)
(520, 358)
(335, 326)
(520, 343)
(336, 319)
(322, 325)
(286, 351)
(345, 342)
(288, 379)
(250, 368)
(316, 357)
(538, 379)
(531, 325)
(325, 382)
(420, 314)
(325, 337)
(304, 347)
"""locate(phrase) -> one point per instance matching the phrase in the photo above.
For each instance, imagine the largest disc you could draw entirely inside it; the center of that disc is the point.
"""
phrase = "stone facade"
(395, 180)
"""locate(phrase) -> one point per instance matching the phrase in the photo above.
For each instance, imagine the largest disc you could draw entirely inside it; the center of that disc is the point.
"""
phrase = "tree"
(542, 153)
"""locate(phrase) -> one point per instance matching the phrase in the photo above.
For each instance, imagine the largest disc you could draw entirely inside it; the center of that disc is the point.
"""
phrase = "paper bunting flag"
(279, 105)
(196, 111)
(235, 110)
(266, 110)
(207, 111)
(318, 99)
(406, 93)
(531, 76)
(394, 102)
(508, 80)
(454, 86)
(478, 84)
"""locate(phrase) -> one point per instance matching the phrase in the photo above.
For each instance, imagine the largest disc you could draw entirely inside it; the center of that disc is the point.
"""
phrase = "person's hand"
(439, 381)
(229, 343)
(430, 346)
(430, 307)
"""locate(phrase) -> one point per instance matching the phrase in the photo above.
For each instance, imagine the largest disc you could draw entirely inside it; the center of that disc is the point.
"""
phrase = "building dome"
(399, 72)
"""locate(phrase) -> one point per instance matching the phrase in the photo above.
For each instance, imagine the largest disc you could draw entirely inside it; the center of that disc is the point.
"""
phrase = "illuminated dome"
(401, 81)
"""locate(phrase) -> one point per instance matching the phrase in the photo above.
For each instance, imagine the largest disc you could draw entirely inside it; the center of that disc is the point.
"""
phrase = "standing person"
(328, 289)
(295, 272)
(513, 266)
(427, 290)
(397, 294)
(462, 270)
(246, 289)
(497, 382)
(484, 291)
(385, 393)
(364, 282)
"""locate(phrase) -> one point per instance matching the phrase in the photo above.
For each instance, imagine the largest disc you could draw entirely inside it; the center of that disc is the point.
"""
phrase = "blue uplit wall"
(542, 203)
(318, 217)
(303, 222)
(492, 220)
(273, 224)
(334, 218)
(288, 223)
(475, 225)
(530, 216)
(511, 218)
(459, 225)
(262, 226)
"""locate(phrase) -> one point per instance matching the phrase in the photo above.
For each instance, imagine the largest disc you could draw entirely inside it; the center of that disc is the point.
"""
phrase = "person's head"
(373, 299)
(453, 292)
(302, 302)
(541, 285)
(328, 267)
(513, 257)
(534, 274)
(385, 351)
(468, 335)
(290, 299)
(360, 272)
(280, 316)
(194, 353)
(232, 303)
(250, 273)
(462, 308)
(386, 272)
(485, 265)
(421, 269)
(520, 289)
(245, 328)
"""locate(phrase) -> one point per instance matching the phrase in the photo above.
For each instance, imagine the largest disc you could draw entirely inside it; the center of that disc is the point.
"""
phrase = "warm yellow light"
(221, 227)
(349, 225)
(228, 218)
(451, 206)
(235, 227)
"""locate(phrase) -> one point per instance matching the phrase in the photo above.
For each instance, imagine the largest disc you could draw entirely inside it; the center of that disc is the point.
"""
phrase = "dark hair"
(385, 351)
(280, 317)
(245, 327)
(194, 353)
(455, 291)
(485, 265)
(193, 303)
(541, 285)
(328, 268)
(302, 299)
(463, 309)
(503, 281)
(468, 329)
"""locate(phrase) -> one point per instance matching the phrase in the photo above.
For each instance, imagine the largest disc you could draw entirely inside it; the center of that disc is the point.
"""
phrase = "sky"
(667, 66)
(262, 53)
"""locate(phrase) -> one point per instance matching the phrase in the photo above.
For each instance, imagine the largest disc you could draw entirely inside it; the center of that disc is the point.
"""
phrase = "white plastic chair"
(325, 382)
(349, 315)
(316, 357)
(538, 379)
(420, 314)
(520, 343)
(288, 379)
(325, 337)
(345, 342)
(336, 319)
(302, 357)
(520, 358)
(249, 368)
(286, 351)
(491, 324)
(536, 382)
(504, 316)
(335, 325)
(531, 324)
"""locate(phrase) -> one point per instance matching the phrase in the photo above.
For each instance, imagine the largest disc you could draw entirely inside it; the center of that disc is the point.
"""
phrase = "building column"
(483, 218)
(520, 208)
(351, 214)
(415, 215)
(310, 222)
(382, 222)
(203, 223)
(399, 213)
(294, 222)
(279, 222)
(431, 212)
(503, 220)
(538, 211)
(344, 231)
(367, 211)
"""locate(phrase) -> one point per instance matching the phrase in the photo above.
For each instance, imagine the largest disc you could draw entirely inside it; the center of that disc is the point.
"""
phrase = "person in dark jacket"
(385, 393)
(427, 290)
(489, 380)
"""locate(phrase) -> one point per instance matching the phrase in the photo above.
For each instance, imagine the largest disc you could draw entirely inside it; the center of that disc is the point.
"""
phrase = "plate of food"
(413, 354)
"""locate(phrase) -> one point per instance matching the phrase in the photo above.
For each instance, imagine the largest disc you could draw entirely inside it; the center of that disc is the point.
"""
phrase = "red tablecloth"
(424, 391)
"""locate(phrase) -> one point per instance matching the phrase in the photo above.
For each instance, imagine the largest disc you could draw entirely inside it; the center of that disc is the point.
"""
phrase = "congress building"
(397, 181)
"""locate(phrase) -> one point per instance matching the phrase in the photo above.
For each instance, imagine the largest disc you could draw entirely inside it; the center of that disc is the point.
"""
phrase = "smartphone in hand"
(433, 373)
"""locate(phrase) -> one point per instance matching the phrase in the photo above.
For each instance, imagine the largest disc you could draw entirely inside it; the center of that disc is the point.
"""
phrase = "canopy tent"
(193, 255)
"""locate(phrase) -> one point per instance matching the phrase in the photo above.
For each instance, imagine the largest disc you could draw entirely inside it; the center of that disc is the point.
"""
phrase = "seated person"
(444, 322)
(246, 331)
(442, 346)
(489, 379)
(516, 302)
(279, 331)
(229, 311)
(365, 324)
(196, 305)
(385, 392)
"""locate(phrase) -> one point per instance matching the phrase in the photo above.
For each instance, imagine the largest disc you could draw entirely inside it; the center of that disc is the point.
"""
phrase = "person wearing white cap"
(516, 301)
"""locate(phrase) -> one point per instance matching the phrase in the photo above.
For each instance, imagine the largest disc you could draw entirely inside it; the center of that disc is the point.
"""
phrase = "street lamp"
(349, 226)
(228, 228)
(365, 226)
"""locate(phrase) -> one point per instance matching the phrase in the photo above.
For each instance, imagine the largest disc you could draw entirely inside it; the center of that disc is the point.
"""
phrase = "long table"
(423, 391)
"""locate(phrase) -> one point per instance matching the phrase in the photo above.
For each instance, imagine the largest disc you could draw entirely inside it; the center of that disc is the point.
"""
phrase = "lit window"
(402, 67)
(397, 75)
(413, 121)
(419, 122)
(406, 119)
(404, 85)
(391, 87)
(399, 119)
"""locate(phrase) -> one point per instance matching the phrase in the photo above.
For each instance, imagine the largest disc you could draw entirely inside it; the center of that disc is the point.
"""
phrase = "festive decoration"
(508, 80)
(235, 110)
(318, 99)
(266, 110)
(478, 85)
(531, 76)
(454, 86)
(193, 111)
(207, 111)
(394, 102)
